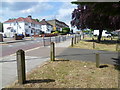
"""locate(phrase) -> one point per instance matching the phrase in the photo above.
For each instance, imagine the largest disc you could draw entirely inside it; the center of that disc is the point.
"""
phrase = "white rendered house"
(26, 26)
(46, 27)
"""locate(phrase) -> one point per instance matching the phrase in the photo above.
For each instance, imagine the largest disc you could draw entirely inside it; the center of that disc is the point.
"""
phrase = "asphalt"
(40, 55)
(106, 57)
(11, 40)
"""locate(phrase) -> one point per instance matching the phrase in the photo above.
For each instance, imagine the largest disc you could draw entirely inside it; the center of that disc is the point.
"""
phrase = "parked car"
(21, 35)
(104, 33)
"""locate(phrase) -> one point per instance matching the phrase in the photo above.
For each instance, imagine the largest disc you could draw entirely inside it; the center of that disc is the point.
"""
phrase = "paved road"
(106, 57)
(39, 55)
(34, 57)
(11, 48)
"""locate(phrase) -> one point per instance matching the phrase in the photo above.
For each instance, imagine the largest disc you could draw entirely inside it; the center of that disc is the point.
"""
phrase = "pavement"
(34, 57)
(37, 56)
(106, 57)
(11, 40)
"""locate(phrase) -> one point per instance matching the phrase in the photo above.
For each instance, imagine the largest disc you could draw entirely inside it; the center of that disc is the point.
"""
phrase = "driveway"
(106, 57)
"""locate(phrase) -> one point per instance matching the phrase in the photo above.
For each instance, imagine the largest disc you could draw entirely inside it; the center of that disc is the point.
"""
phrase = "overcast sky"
(42, 10)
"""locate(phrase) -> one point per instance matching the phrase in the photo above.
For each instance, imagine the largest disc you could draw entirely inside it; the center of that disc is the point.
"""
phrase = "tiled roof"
(58, 21)
(43, 22)
(21, 19)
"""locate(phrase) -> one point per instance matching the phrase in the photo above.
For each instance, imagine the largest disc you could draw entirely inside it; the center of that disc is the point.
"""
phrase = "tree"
(97, 16)
(37, 20)
(1, 27)
(65, 30)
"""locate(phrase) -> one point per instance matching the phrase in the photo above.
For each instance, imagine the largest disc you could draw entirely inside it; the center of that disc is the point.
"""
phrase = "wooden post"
(80, 37)
(15, 36)
(72, 42)
(111, 38)
(62, 38)
(52, 52)
(117, 46)
(75, 40)
(43, 42)
(65, 38)
(21, 66)
(59, 38)
(97, 60)
(55, 39)
(1, 38)
(93, 43)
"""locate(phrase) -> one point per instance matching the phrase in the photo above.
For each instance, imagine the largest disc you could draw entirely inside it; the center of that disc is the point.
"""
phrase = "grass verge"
(70, 74)
(106, 44)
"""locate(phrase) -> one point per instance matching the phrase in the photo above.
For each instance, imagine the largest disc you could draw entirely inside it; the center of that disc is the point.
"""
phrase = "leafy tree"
(37, 20)
(1, 27)
(99, 15)
(65, 30)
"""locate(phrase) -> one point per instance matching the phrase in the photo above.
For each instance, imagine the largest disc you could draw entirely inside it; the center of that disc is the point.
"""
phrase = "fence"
(57, 39)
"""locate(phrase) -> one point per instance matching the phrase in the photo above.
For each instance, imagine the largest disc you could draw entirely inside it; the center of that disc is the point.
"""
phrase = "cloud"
(38, 0)
(22, 9)
(47, 10)
(65, 12)
(40, 7)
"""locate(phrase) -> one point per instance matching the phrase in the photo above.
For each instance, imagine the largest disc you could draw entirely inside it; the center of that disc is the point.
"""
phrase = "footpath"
(33, 57)
(39, 55)
(11, 40)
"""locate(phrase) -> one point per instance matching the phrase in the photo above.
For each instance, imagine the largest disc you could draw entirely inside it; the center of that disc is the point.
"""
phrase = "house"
(46, 27)
(57, 25)
(26, 26)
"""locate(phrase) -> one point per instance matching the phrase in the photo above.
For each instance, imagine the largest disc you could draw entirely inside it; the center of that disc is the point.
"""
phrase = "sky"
(38, 9)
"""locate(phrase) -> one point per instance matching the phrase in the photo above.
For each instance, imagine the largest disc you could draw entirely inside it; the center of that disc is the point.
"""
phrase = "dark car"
(21, 35)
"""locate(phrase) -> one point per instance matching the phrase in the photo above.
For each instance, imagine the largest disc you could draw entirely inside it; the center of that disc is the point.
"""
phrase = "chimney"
(29, 16)
(43, 20)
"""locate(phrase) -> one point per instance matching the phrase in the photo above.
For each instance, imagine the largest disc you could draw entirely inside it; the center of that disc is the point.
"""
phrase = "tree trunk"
(100, 35)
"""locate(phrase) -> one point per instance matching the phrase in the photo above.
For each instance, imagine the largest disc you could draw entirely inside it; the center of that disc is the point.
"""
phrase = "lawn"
(105, 44)
(70, 74)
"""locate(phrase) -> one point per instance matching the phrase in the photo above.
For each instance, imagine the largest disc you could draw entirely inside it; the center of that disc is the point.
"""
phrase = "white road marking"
(10, 45)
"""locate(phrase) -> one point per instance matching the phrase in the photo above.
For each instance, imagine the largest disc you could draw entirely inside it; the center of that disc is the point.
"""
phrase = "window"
(31, 31)
(12, 30)
(26, 30)
(26, 23)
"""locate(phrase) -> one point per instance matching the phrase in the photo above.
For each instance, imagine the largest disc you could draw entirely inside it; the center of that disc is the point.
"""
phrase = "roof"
(58, 21)
(43, 22)
(21, 19)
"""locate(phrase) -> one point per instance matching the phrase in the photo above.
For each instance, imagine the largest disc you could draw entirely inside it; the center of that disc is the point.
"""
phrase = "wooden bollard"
(117, 45)
(97, 60)
(72, 42)
(59, 38)
(1, 38)
(62, 38)
(55, 39)
(15, 36)
(43, 41)
(75, 40)
(80, 37)
(93, 43)
(52, 51)
(21, 66)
